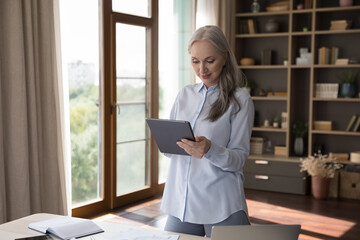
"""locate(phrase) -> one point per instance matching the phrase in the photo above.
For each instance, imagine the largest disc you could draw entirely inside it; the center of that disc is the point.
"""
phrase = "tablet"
(167, 132)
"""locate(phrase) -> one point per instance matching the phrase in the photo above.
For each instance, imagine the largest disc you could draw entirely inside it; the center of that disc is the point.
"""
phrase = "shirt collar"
(201, 87)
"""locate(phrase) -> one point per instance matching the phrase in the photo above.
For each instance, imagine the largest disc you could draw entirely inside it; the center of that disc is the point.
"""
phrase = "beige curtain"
(32, 164)
(217, 12)
(226, 14)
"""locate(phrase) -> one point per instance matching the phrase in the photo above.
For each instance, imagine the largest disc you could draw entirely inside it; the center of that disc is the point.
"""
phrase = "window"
(110, 56)
(80, 54)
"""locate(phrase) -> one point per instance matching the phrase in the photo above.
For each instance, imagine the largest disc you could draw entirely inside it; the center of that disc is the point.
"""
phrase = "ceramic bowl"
(247, 61)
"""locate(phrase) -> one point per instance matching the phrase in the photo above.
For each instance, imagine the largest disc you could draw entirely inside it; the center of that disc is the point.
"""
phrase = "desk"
(19, 228)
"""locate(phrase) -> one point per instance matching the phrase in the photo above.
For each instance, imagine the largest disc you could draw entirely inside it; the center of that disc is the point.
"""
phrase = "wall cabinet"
(299, 29)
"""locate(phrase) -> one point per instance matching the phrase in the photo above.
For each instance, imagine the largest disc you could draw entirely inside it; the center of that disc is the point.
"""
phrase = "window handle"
(115, 106)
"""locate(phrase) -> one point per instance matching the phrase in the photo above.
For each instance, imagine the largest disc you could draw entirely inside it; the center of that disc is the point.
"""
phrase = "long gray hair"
(230, 78)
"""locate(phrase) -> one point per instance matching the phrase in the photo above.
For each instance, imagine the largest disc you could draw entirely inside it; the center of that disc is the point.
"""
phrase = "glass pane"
(133, 7)
(130, 89)
(130, 51)
(80, 56)
(130, 167)
(131, 123)
(131, 96)
(175, 28)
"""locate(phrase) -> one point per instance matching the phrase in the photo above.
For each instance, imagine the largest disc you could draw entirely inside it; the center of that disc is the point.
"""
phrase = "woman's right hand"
(197, 148)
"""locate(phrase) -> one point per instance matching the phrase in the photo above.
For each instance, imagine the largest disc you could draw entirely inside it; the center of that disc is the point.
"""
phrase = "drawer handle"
(262, 177)
(262, 162)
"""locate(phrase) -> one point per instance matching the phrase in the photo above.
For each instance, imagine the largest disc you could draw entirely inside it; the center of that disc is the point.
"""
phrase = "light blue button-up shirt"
(210, 189)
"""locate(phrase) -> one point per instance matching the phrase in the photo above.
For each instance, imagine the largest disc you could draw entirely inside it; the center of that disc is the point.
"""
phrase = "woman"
(206, 188)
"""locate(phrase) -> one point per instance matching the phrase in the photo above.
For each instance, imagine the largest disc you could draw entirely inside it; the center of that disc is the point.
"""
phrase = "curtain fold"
(225, 19)
(31, 129)
(207, 12)
(216, 12)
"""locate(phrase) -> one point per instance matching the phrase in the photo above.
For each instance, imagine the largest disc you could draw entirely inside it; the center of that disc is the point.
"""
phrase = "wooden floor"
(319, 219)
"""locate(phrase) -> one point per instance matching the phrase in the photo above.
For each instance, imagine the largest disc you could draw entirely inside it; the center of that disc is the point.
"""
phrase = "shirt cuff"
(213, 150)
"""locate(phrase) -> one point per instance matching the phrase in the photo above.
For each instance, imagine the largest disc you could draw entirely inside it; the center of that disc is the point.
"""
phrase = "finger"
(188, 142)
(180, 144)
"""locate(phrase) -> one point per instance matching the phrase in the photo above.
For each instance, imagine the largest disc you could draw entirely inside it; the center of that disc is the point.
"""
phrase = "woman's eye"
(210, 61)
(195, 61)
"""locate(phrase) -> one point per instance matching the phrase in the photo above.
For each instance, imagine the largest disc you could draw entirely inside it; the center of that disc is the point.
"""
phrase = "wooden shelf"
(301, 33)
(274, 157)
(300, 66)
(333, 32)
(262, 35)
(337, 9)
(302, 11)
(337, 99)
(299, 80)
(263, 67)
(333, 132)
(260, 14)
(273, 98)
(269, 129)
(336, 66)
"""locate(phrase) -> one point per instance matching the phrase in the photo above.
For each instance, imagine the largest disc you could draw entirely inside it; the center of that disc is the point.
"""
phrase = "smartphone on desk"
(40, 237)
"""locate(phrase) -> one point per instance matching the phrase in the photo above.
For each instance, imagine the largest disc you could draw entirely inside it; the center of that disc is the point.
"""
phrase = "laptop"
(256, 232)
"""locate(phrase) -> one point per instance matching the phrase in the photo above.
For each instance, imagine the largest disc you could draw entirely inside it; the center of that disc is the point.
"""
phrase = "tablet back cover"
(167, 132)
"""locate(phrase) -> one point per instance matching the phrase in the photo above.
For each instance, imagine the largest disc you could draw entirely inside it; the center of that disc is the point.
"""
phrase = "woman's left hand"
(196, 148)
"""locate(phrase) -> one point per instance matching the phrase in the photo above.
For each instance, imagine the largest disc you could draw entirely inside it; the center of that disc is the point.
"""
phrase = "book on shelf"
(252, 26)
(351, 123)
(248, 26)
(357, 125)
(65, 227)
(243, 27)
(266, 56)
(308, 4)
(324, 53)
(342, 61)
(334, 55)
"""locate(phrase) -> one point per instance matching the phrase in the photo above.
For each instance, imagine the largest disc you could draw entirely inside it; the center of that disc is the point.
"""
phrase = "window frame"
(108, 20)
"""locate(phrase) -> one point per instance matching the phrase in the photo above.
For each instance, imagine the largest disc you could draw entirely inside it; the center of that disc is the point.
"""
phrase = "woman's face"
(207, 62)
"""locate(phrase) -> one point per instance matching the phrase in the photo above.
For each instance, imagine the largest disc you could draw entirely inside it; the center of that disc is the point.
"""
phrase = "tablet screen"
(167, 132)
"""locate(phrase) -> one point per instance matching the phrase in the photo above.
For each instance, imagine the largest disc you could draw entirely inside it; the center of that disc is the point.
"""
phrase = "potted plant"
(285, 61)
(300, 130)
(348, 87)
(248, 86)
(276, 122)
(321, 168)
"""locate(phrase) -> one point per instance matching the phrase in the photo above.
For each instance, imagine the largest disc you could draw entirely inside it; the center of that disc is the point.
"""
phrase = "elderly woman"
(206, 188)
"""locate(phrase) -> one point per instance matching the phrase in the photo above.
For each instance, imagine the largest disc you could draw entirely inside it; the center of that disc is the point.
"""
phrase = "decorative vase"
(271, 26)
(348, 90)
(320, 187)
(345, 3)
(299, 146)
(255, 6)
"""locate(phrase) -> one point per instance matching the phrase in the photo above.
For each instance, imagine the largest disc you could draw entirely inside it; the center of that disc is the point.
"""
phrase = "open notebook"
(66, 228)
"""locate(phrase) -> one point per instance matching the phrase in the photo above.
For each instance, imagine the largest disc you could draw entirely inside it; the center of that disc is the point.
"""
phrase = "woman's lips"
(205, 76)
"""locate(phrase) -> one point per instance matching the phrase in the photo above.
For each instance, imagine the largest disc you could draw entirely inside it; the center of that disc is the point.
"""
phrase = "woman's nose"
(203, 68)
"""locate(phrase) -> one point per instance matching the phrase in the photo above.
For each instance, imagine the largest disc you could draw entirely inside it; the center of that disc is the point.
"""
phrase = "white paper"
(139, 234)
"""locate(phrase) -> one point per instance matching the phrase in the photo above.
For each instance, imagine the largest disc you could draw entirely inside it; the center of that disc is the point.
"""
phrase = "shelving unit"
(305, 28)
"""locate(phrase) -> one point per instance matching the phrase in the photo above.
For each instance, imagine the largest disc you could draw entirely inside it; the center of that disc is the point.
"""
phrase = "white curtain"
(207, 12)
(32, 158)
